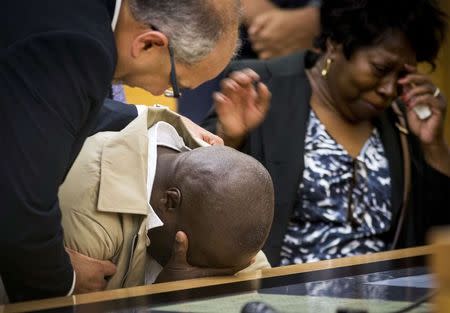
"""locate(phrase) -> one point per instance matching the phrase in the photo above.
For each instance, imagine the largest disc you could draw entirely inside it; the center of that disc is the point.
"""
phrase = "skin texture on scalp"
(225, 206)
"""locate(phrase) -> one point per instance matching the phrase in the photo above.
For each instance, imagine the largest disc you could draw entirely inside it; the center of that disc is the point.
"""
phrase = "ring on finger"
(436, 93)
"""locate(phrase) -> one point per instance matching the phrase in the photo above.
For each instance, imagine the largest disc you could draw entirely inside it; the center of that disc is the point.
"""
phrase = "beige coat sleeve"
(260, 263)
(95, 234)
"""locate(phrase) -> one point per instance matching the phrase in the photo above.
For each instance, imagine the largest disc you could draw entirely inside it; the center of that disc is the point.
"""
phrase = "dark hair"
(359, 23)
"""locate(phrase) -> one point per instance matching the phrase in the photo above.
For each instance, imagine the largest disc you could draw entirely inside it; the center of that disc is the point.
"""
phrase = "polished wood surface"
(211, 281)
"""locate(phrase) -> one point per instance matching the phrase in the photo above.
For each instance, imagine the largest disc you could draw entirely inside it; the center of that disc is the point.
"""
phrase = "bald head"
(226, 206)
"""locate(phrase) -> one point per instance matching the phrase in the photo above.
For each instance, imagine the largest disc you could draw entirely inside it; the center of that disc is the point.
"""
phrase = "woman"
(332, 140)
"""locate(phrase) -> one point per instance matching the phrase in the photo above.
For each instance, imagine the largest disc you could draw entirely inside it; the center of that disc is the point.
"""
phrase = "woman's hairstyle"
(193, 26)
(359, 23)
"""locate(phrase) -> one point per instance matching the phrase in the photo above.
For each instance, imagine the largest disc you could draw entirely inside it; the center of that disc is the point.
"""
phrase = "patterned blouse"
(345, 202)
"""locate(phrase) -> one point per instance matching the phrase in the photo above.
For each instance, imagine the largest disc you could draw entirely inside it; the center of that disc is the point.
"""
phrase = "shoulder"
(80, 188)
(78, 197)
(35, 17)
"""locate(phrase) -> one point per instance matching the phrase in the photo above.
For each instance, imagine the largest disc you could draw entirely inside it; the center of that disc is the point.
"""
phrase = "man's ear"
(172, 197)
(145, 41)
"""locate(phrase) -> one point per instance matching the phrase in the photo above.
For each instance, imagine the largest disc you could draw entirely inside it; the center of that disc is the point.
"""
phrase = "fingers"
(109, 268)
(240, 83)
(244, 77)
(222, 103)
(264, 97)
(90, 272)
(214, 140)
(211, 139)
(180, 249)
(420, 100)
(97, 284)
(202, 133)
(414, 79)
(258, 24)
(417, 91)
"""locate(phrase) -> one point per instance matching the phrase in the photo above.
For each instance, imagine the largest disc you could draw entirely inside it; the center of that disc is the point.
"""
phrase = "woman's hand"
(240, 106)
(178, 267)
(420, 91)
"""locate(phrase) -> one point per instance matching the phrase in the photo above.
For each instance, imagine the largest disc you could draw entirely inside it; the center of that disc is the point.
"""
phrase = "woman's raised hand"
(241, 105)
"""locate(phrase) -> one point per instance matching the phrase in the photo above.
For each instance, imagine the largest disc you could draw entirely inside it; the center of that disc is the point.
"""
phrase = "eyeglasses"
(174, 92)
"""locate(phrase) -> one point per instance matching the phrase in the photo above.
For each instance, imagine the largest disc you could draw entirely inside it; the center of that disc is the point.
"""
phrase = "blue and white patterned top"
(345, 202)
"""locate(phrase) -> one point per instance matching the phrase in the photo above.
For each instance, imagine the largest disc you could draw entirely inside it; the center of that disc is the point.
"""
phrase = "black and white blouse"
(345, 202)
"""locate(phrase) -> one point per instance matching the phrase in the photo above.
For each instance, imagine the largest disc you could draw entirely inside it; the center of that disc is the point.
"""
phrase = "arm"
(48, 97)
(282, 31)
(253, 8)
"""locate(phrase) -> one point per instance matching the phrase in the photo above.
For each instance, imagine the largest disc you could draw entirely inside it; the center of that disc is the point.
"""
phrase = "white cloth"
(116, 14)
(160, 134)
(165, 135)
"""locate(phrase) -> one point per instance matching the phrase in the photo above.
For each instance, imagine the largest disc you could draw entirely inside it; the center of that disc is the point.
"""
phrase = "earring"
(327, 67)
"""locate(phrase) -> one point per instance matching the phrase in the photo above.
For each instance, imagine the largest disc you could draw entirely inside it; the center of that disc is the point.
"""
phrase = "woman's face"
(364, 85)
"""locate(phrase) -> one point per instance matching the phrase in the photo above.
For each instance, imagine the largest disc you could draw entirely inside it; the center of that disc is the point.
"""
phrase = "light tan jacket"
(104, 197)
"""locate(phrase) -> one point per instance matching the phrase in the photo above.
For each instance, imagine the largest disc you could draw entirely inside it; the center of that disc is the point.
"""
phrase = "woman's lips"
(375, 106)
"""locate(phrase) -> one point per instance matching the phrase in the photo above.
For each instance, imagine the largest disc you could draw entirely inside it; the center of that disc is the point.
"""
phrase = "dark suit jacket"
(279, 145)
(57, 59)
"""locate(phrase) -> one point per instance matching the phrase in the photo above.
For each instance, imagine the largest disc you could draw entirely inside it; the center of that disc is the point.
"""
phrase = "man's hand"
(202, 133)
(283, 31)
(90, 272)
(239, 106)
(178, 267)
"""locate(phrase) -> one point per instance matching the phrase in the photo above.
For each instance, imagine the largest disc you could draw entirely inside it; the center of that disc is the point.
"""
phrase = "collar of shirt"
(160, 134)
(116, 14)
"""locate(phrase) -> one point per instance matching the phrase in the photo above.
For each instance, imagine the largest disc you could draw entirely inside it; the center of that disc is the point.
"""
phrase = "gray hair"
(192, 26)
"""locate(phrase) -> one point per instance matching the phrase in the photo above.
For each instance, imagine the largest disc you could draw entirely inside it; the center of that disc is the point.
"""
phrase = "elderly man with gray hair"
(57, 61)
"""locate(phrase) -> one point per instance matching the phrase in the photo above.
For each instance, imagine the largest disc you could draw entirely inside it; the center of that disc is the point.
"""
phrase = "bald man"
(137, 196)
(221, 199)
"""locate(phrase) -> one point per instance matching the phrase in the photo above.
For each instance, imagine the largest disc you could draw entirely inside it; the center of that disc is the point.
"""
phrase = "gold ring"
(436, 92)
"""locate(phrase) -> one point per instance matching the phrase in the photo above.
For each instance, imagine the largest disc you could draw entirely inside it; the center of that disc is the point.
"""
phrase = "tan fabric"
(104, 197)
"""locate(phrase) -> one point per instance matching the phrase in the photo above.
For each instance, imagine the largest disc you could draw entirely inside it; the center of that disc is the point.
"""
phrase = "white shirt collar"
(160, 134)
(116, 14)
